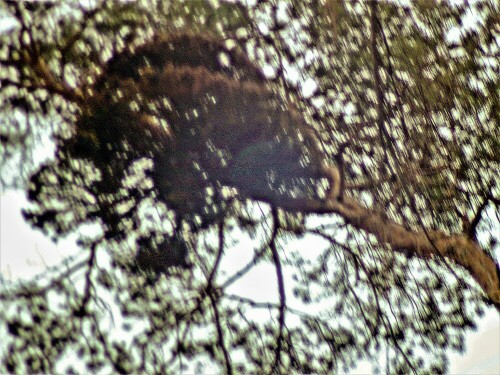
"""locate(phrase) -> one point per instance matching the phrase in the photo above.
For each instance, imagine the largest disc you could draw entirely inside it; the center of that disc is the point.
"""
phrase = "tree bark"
(458, 248)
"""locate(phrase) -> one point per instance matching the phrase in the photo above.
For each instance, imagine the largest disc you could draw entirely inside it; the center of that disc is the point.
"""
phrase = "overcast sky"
(24, 252)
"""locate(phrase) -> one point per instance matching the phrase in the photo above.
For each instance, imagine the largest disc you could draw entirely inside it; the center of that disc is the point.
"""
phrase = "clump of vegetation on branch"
(185, 132)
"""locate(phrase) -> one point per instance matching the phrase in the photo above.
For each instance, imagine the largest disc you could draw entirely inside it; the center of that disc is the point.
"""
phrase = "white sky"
(24, 252)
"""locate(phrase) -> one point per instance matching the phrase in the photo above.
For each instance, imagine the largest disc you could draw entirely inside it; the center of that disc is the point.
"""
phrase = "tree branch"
(281, 289)
(42, 77)
(220, 333)
(458, 248)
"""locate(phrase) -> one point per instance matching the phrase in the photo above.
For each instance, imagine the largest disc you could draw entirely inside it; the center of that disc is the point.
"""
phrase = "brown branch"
(212, 293)
(220, 333)
(218, 258)
(458, 248)
(281, 289)
(31, 289)
(87, 292)
(42, 77)
(423, 243)
(46, 80)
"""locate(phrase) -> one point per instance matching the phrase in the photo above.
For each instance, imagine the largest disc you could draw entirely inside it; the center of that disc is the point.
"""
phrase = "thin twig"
(281, 288)
(220, 333)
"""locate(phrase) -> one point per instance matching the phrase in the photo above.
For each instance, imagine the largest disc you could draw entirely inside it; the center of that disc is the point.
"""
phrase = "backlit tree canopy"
(191, 143)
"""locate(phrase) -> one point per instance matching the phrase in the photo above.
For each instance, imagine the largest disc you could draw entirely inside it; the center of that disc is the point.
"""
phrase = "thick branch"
(458, 248)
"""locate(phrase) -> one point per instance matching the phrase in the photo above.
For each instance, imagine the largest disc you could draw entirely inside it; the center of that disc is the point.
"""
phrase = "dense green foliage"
(406, 95)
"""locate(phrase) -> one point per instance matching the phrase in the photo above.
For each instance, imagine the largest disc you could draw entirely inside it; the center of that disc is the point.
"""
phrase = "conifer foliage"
(350, 146)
